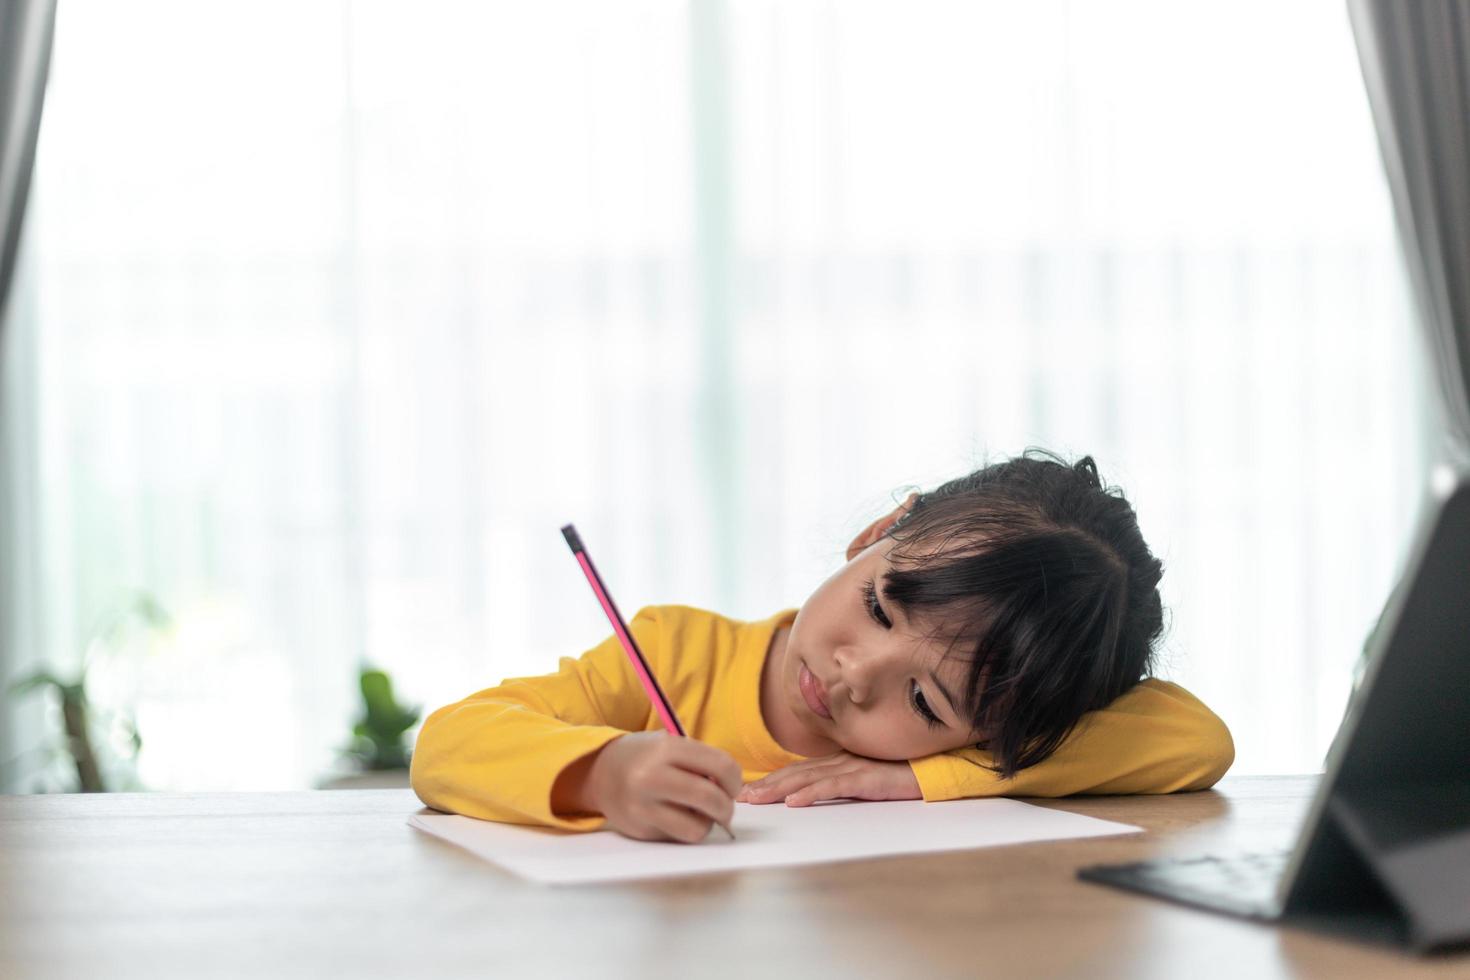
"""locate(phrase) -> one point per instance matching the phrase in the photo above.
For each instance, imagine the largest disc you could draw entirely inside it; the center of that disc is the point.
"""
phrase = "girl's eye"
(921, 706)
(916, 694)
(870, 596)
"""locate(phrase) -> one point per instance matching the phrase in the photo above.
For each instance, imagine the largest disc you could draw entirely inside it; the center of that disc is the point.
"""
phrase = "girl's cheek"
(875, 742)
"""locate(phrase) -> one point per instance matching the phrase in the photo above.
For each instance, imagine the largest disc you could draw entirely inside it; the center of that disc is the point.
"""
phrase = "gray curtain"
(26, 29)
(1414, 57)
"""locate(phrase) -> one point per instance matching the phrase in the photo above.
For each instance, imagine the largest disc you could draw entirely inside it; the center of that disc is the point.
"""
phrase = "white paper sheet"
(768, 835)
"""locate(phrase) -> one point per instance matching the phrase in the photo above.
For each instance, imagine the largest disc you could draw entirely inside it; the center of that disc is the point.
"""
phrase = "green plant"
(76, 719)
(78, 715)
(378, 741)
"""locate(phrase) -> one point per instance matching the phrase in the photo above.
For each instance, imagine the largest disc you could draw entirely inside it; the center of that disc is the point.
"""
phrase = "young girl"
(990, 637)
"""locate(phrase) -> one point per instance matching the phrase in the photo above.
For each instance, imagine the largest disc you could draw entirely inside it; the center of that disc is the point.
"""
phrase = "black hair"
(1054, 591)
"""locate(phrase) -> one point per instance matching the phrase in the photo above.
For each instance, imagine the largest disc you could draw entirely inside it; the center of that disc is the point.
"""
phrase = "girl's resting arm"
(1156, 738)
(497, 754)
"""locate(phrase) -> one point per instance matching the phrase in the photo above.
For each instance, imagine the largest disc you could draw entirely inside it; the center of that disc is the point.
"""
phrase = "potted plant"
(378, 754)
(84, 725)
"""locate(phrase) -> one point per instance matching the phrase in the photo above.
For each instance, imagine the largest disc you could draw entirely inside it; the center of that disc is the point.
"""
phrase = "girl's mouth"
(812, 692)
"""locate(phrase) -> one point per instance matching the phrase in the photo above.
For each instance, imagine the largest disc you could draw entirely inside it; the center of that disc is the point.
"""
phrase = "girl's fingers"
(844, 784)
(819, 762)
(706, 760)
(774, 786)
(766, 782)
(675, 822)
(884, 782)
(779, 785)
(684, 789)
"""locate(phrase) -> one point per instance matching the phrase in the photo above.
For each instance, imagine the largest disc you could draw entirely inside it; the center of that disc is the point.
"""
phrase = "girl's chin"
(821, 729)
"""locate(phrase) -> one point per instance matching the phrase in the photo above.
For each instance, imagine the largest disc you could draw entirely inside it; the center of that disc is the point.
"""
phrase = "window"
(327, 330)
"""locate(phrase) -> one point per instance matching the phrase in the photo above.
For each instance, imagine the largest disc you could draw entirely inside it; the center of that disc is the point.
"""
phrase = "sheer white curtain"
(339, 310)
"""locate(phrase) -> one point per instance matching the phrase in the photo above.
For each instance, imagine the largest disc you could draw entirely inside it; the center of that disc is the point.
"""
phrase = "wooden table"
(335, 883)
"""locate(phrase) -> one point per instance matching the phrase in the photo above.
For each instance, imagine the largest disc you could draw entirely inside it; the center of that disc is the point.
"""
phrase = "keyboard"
(1240, 884)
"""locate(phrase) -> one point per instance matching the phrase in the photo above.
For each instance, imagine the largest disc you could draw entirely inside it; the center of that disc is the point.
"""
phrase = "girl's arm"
(497, 754)
(1156, 738)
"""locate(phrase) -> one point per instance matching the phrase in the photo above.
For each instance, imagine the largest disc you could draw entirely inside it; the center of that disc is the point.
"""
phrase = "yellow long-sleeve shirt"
(496, 754)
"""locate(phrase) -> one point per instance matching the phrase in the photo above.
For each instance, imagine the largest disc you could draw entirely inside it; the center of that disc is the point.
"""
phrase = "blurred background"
(328, 314)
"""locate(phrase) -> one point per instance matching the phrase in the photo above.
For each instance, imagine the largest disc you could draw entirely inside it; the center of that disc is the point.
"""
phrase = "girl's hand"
(657, 786)
(841, 774)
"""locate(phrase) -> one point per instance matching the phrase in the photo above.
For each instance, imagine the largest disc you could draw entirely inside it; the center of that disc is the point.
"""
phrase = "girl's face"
(854, 674)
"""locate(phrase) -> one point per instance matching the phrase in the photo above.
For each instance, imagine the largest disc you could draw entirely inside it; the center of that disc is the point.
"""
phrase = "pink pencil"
(630, 646)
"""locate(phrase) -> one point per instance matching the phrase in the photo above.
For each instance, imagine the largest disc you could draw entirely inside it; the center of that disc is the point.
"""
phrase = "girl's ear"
(878, 528)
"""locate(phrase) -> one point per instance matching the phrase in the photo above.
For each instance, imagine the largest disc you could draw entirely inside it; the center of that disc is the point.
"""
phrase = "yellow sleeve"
(496, 754)
(1156, 738)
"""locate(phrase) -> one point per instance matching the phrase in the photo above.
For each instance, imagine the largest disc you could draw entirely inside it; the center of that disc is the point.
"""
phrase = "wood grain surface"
(336, 884)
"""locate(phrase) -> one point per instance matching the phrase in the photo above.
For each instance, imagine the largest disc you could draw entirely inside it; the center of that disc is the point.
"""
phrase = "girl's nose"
(861, 671)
